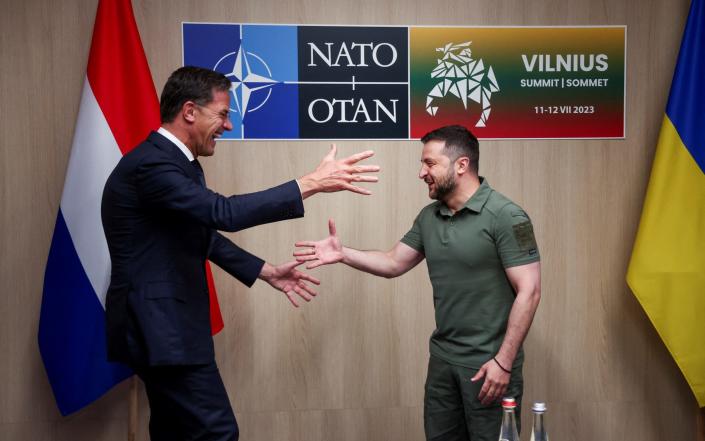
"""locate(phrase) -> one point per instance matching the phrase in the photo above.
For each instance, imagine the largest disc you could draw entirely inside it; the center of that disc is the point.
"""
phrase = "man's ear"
(462, 165)
(188, 111)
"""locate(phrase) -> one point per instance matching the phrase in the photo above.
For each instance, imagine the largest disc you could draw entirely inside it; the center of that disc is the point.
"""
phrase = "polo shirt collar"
(476, 201)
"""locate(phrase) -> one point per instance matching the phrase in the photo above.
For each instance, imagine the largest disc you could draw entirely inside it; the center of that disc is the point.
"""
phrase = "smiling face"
(437, 171)
(210, 121)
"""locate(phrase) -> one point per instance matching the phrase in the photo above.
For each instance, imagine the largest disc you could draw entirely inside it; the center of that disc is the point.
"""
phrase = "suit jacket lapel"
(170, 148)
(173, 151)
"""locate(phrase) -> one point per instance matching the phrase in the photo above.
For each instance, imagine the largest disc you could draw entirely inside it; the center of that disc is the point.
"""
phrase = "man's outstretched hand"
(338, 174)
(292, 282)
(322, 252)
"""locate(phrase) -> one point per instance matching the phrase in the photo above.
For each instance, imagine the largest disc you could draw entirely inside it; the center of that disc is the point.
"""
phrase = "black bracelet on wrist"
(500, 366)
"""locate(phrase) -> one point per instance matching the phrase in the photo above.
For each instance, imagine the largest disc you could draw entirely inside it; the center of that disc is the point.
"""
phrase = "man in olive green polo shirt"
(484, 267)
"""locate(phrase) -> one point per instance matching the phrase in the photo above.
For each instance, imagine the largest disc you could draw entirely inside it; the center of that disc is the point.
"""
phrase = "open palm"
(287, 279)
(322, 252)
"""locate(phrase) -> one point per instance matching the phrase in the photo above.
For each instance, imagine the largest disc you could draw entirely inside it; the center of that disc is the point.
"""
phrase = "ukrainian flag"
(667, 267)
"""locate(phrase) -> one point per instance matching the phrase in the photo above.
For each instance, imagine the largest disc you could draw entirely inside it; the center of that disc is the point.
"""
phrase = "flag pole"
(132, 410)
(700, 424)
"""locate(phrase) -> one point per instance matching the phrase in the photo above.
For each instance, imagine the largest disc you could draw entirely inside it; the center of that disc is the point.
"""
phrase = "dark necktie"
(199, 172)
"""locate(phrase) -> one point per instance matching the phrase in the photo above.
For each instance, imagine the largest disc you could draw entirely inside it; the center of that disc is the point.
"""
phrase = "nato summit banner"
(396, 82)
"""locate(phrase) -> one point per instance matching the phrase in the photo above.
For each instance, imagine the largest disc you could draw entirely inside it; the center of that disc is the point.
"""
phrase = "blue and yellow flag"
(667, 268)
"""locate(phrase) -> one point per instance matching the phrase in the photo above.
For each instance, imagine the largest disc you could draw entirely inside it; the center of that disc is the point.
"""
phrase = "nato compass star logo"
(261, 63)
(251, 80)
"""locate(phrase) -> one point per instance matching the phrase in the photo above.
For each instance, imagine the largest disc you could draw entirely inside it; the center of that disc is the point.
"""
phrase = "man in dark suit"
(161, 225)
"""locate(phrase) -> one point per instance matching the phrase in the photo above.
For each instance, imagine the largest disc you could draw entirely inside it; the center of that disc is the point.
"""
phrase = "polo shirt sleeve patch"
(516, 243)
(524, 235)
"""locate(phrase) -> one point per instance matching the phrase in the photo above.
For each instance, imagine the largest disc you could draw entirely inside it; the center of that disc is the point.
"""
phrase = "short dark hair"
(189, 83)
(459, 142)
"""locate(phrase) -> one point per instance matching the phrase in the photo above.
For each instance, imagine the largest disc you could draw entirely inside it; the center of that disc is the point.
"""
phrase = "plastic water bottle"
(508, 431)
(538, 432)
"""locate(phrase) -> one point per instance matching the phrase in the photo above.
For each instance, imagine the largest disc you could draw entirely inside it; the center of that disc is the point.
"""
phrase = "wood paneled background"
(351, 364)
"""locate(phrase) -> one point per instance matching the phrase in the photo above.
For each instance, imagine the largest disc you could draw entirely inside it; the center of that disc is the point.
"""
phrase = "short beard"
(444, 186)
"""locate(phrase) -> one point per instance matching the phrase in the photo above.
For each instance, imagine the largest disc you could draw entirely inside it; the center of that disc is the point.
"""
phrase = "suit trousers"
(188, 403)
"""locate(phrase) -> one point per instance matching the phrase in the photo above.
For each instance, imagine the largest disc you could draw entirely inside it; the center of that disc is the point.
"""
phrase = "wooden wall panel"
(351, 364)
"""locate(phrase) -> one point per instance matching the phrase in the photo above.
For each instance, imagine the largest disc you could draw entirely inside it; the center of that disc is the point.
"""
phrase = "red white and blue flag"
(118, 109)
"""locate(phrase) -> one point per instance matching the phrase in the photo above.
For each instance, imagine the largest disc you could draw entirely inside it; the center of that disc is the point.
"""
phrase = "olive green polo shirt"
(467, 254)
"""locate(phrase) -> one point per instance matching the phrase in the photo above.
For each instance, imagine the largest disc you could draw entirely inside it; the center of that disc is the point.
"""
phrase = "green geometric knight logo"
(463, 77)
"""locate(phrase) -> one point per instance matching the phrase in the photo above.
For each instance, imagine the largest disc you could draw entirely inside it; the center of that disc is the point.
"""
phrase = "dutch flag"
(118, 108)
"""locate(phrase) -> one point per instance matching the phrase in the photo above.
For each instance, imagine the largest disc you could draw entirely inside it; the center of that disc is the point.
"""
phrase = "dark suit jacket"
(160, 223)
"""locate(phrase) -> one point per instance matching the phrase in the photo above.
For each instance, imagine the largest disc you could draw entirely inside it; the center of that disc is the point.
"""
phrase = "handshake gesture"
(331, 175)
